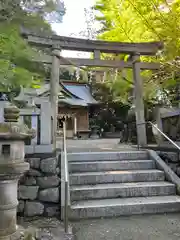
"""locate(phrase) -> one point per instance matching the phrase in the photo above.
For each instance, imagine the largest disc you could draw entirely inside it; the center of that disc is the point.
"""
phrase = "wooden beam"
(98, 63)
(77, 44)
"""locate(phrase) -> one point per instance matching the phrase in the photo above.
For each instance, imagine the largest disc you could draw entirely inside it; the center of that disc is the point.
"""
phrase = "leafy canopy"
(143, 21)
(16, 66)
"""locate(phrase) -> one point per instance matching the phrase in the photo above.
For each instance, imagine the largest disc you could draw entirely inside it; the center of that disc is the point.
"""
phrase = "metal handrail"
(162, 133)
(66, 179)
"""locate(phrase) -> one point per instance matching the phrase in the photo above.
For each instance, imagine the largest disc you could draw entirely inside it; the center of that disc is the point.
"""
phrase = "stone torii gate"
(134, 50)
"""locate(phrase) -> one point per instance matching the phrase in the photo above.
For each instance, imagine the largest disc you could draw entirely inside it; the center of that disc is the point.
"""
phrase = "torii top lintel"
(77, 44)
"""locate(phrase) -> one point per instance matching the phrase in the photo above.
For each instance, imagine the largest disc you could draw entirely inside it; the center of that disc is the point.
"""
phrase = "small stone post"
(45, 128)
(158, 136)
(12, 166)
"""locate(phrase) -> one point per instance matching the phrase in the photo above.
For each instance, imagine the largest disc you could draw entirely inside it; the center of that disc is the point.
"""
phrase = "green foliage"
(17, 10)
(16, 65)
(144, 21)
(110, 112)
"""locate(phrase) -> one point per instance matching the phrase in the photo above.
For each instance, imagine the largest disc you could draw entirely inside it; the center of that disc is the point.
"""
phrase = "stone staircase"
(109, 184)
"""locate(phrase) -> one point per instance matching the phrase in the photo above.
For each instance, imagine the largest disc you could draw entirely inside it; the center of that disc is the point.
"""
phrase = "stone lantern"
(12, 166)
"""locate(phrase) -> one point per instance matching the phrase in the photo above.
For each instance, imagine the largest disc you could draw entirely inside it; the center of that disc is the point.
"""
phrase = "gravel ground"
(146, 227)
(40, 229)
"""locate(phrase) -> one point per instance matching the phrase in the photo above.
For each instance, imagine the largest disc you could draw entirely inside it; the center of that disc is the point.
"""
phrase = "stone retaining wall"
(39, 189)
(172, 160)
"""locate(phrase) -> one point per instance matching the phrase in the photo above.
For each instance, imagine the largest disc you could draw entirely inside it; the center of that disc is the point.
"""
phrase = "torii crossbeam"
(58, 43)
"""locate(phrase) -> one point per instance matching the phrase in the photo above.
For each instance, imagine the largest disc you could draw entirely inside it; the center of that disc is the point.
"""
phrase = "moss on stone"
(4, 128)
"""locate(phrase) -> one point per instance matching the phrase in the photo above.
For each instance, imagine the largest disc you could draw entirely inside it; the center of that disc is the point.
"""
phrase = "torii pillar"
(54, 88)
(138, 101)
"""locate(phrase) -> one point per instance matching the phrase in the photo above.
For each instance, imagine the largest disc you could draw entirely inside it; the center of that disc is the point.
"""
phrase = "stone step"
(104, 156)
(111, 165)
(83, 178)
(121, 190)
(124, 207)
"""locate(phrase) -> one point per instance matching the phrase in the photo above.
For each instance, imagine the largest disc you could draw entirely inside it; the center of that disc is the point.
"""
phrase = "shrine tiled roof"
(73, 102)
(70, 93)
(80, 92)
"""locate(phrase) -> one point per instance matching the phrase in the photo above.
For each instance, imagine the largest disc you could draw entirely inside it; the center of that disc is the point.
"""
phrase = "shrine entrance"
(134, 50)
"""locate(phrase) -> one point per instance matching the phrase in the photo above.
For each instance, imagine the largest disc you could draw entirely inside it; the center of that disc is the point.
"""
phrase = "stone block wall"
(39, 188)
